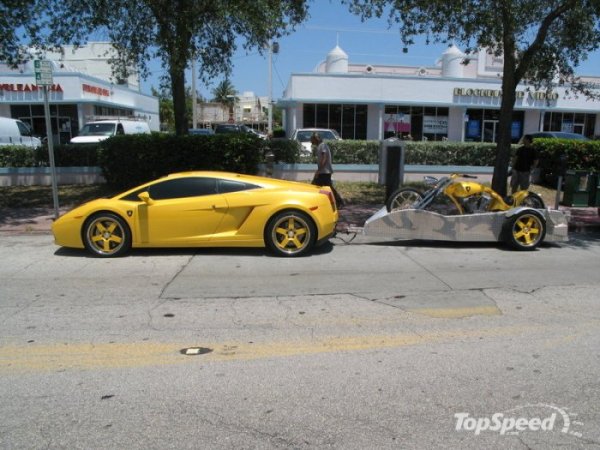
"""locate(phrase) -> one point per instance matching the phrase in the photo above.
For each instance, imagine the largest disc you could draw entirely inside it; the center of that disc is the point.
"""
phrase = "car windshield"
(98, 129)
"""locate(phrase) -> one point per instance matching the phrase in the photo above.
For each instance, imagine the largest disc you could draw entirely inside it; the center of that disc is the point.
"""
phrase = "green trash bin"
(594, 183)
(576, 188)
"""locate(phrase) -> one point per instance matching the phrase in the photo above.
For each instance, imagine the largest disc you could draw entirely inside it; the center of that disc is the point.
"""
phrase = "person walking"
(324, 167)
(525, 160)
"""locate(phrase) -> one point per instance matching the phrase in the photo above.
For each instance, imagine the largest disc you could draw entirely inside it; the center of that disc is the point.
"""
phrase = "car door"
(181, 211)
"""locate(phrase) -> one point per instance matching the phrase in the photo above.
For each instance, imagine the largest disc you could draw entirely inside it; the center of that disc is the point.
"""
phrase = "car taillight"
(329, 195)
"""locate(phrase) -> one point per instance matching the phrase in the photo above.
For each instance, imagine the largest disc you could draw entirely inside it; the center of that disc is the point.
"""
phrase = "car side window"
(183, 187)
(228, 186)
(120, 129)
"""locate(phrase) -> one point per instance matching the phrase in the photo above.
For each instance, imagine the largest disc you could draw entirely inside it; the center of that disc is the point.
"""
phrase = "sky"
(330, 23)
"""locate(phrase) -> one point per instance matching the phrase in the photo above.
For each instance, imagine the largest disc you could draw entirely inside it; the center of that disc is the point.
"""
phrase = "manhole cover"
(192, 351)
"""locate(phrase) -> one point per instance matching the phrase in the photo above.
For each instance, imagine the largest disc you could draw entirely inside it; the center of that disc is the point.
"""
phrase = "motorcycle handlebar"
(464, 175)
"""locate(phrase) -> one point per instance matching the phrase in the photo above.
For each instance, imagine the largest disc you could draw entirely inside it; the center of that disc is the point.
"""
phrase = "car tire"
(403, 198)
(525, 230)
(106, 235)
(290, 233)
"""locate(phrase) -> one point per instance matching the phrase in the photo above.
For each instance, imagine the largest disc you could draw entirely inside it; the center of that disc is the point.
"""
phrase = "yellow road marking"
(34, 358)
(455, 313)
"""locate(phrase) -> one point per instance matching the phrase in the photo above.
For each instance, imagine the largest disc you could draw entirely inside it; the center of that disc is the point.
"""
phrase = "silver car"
(303, 135)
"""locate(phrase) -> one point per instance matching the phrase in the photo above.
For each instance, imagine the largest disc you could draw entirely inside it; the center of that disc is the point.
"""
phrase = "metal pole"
(194, 112)
(558, 189)
(270, 123)
(51, 151)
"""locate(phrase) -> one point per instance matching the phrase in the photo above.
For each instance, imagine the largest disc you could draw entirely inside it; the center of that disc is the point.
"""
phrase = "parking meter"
(562, 170)
(391, 164)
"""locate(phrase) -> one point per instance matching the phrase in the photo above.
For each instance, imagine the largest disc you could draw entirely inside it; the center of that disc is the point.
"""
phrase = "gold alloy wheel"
(291, 233)
(106, 235)
(527, 230)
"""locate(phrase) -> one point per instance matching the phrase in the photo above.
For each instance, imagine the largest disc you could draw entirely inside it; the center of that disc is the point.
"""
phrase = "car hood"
(87, 139)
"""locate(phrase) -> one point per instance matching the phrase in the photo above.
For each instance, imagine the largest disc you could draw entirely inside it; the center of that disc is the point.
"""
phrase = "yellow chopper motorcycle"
(523, 230)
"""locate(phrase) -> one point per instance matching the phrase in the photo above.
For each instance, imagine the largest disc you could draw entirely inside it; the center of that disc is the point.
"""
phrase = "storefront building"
(458, 100)
(76, 97)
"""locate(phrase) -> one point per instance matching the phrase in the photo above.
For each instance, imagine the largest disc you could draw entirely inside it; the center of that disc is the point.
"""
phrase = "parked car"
(16, 132)
(223, 128)
(303, 135)
(99, 130)
(204, 209)
(201, 131)
(558, 135)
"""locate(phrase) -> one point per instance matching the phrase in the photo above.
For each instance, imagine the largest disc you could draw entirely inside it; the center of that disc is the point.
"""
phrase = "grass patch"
(358, 192)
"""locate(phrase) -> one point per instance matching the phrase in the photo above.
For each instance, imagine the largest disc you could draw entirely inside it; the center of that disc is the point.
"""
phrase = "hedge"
(132, 159)
(580, 155)
(129, 160)
(433, 153)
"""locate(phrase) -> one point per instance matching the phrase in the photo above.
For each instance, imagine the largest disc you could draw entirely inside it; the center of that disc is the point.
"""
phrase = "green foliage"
(285, 150)
(69, 155)
(17, 156)
(539, 42)
(424, 153)
(278, 133)
(18, 28)
(580, 155)
(129, 160)
(354, 152)
(174, 32)
(450, 153)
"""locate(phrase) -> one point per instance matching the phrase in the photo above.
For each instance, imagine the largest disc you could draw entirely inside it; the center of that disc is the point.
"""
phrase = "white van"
(99, 130)
(15, 132)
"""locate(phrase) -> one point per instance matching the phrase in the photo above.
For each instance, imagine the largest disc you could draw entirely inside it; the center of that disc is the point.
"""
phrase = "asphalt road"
(360, 346)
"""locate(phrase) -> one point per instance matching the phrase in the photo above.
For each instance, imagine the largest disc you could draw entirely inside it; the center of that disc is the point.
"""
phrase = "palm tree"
(225, 94)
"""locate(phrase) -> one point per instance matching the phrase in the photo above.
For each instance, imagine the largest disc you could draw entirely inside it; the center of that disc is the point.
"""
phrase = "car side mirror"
(145, 197)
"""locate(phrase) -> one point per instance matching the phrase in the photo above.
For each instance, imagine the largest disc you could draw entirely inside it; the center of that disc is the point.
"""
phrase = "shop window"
(335, 118)
(322, 116)
(348, 122)
(308, 116)
(360, 128)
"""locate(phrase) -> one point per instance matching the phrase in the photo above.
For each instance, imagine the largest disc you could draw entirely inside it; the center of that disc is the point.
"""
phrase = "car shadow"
(213, 251)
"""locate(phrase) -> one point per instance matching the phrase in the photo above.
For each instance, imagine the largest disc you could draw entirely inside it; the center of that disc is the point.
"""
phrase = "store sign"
(435, 124)
(95, 90)
(535, 95)
(19, 87)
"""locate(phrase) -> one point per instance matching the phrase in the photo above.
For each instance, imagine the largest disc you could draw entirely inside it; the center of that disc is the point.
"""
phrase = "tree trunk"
(503, 149)
(178, 89)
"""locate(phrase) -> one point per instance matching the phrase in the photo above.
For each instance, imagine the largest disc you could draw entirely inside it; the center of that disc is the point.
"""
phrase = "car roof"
(559, 134)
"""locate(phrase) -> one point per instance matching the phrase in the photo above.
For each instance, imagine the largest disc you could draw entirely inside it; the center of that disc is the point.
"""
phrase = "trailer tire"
(403, 198)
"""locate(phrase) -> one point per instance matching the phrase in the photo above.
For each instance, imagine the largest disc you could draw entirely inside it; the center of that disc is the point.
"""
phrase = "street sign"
(43, 72)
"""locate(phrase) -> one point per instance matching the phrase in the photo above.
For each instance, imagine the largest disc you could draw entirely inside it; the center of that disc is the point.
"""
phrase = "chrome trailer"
(409, 224)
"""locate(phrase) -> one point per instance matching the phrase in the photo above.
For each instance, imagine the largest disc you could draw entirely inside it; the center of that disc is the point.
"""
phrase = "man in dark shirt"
(524, 161)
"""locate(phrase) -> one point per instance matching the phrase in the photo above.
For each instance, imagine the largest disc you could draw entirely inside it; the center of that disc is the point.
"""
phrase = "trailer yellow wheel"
(526, 230)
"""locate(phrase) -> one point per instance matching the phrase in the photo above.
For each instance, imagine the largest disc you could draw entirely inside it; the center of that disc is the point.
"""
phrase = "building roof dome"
(337, 61)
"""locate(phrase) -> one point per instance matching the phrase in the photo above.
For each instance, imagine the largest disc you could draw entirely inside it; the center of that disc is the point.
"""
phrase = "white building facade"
(458, 100)
(83, 90)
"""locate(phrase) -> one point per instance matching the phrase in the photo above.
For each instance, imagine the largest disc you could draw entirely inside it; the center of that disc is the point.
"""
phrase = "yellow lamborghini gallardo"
(203, 209)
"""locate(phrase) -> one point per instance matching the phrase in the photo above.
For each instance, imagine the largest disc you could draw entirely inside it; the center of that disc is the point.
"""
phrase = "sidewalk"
(39, 220)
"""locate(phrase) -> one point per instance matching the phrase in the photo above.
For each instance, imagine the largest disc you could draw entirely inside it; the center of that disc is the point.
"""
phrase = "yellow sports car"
(203, 209)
